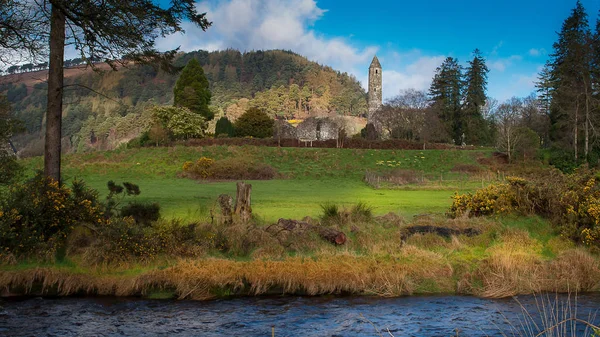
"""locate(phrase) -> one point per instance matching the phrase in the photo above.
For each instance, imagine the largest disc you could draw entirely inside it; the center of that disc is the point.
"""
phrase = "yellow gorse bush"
(38, 215)
(571, 202)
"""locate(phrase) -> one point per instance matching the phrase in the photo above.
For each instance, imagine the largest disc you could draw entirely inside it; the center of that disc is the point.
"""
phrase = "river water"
(290, 316)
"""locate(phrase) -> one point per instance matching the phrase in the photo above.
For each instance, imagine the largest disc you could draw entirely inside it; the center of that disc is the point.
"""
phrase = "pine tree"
(224, 127)
(571, 83)
(544, 87)
(446, 93)
(192, 90)
(475, 127)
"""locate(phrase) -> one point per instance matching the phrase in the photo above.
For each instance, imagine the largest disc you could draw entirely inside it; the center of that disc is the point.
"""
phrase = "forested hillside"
(103, 109)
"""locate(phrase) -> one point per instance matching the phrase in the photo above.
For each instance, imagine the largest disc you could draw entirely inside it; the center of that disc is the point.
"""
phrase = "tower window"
(376, 71)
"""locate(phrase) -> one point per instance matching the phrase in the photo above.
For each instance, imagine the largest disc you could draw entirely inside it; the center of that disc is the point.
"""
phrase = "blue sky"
(411, 38)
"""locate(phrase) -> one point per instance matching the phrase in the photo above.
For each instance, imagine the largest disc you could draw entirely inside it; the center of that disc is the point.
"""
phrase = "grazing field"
(307, 178)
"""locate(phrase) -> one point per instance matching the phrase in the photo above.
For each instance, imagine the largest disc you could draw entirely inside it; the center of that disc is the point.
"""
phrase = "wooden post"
(242, 201)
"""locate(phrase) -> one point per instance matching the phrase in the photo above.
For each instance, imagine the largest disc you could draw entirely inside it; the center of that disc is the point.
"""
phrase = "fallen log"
(286, 228)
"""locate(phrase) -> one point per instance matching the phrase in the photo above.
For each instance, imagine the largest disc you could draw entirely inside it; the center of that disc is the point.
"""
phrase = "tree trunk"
(226, 204)
(575, 145)
(587, 123)
(52, 146)
(242, 201)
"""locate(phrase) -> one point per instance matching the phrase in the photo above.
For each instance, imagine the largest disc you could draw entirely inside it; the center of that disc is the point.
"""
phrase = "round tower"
(375, 87)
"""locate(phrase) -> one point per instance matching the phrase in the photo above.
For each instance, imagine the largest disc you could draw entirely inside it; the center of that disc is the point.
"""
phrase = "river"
(290, 316)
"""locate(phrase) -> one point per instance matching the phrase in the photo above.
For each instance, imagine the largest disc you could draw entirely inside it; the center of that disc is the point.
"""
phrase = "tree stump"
(226, 204)
(242, 202)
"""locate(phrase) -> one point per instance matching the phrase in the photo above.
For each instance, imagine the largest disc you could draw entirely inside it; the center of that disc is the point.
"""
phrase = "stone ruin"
(315, 128)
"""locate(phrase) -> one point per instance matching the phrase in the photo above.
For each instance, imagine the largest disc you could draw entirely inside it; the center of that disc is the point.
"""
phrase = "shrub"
(571, 202)
(37, 216)
(120, 241)
(254, 123)
(142, 213)
(228, 169)
(331, 212)
(224, 127)
(10, 170)
(180, 122)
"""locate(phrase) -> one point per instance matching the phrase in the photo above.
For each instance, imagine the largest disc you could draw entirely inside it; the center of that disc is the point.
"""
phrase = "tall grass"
(554, 317)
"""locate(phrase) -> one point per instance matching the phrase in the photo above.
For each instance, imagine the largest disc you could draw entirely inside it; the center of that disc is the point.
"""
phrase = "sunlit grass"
(310, 177)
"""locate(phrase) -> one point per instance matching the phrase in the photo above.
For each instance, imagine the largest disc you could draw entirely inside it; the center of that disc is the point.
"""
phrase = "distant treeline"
(29, 67)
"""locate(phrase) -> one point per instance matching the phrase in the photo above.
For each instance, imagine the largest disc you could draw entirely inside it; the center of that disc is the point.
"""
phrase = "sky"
(411, 38)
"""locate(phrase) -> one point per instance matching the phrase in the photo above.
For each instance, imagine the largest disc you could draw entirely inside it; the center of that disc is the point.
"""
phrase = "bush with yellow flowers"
(200, 168)
(37, 216)
(571, 202)
(494, 199)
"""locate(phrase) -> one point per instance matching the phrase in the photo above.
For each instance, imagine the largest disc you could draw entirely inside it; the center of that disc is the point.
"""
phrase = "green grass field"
(310, 177)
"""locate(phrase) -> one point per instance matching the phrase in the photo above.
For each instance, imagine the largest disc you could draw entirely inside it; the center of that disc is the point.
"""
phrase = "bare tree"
(508, 118)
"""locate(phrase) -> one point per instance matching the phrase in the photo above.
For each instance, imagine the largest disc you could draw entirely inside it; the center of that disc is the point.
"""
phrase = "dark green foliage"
(192, 90)
(567, 79)
(254, 123)
(142, 213)
(475, 127)
(9, 167)
(116, 194)
(528, 145)
(10, 170)
(446, 94)
(224, 127)
(562, 160)
(37, 216)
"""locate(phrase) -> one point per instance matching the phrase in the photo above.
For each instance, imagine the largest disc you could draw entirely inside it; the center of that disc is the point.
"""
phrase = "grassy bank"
(510, 256)
(187, 255)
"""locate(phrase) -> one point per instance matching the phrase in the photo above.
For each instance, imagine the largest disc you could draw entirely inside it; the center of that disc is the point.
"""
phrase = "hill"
(103, 109)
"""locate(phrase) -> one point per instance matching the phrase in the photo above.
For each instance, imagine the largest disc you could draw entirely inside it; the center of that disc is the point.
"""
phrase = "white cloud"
(269, 24)
(503, 63)
(536, 52)
(416, 75)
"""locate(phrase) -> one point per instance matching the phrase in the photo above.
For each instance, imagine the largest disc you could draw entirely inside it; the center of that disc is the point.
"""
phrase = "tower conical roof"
(375, 62)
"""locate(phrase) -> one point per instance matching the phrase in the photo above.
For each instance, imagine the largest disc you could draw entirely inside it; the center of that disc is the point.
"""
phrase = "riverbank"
(509, 257)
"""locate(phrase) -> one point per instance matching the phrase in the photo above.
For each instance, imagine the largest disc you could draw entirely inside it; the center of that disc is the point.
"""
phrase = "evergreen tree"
(475, 127)
(192, 90)
(224, 127)
(254, 123)
(446, 94)
(544, 87)
(571, 83)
